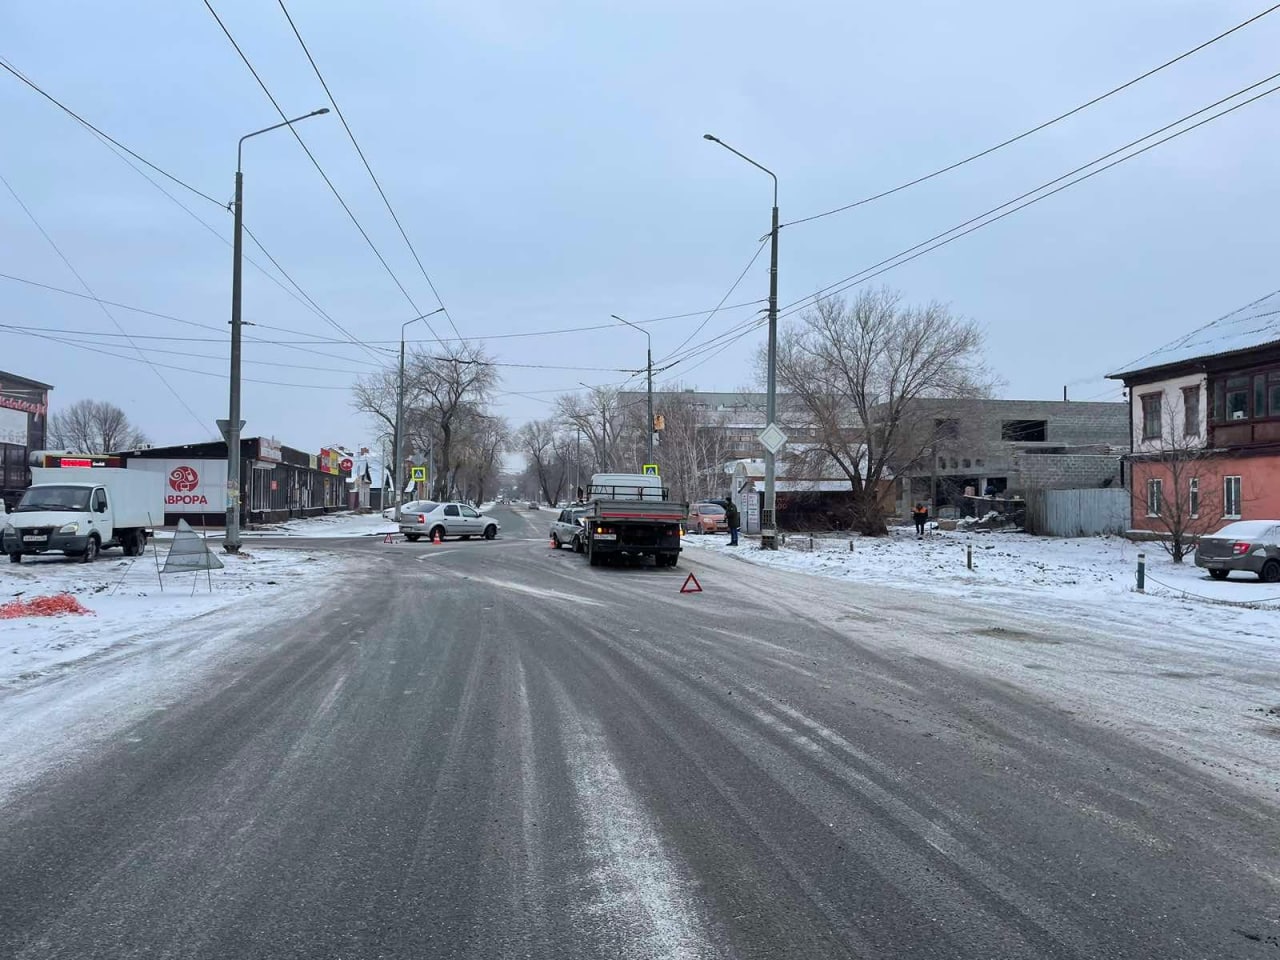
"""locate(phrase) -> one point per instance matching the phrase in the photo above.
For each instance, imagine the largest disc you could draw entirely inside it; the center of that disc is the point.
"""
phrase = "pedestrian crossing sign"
(650, 469)
(418, 474)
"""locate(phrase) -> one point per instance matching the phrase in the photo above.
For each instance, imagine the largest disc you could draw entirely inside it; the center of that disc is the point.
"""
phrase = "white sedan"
(430, 519)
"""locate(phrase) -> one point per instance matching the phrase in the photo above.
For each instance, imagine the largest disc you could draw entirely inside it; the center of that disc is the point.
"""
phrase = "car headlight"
(73, 527)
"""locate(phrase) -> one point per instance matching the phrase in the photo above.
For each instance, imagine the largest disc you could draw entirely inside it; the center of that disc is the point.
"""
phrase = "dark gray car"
(1252, 546)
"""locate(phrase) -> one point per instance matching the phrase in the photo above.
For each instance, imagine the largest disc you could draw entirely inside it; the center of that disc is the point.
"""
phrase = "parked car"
(1249, 545)
(533, 505)
(447, 520)
(567, 529)
(707, 517)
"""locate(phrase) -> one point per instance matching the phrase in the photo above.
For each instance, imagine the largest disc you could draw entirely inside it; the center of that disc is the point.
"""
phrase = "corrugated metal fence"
(1077, 513)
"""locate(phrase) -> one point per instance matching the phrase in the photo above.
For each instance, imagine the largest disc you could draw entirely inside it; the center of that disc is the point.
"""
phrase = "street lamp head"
(616, 317)
(320, 112)
(707, 136)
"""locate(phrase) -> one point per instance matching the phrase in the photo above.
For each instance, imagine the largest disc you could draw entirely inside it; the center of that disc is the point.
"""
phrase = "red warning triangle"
(696, 588)
(387, 539)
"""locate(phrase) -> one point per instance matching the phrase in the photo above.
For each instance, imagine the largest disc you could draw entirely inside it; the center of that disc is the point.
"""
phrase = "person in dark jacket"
(734, 520)
(920, 514)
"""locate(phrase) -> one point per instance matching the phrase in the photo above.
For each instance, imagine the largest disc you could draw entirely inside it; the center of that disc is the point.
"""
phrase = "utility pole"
(399, 480)
(649, 365)
(231, 432)
(768, 519)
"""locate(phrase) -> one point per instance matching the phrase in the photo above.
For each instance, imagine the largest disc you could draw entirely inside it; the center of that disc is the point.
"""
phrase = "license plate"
(34, 539)
(606, 536)
(1213, 563)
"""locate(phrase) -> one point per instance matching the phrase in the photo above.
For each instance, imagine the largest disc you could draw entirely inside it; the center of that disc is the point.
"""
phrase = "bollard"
(1142, 572)
(968, 555)
(851, 544)
(811, 543)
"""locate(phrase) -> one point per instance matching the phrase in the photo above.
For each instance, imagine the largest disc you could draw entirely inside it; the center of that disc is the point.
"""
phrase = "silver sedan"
(442, 520)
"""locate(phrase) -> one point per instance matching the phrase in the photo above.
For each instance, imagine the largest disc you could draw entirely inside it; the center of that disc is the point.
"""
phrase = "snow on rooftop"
(1254, 325)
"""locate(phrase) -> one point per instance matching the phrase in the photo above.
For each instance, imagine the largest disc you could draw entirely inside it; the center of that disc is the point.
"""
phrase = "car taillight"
(422, 518)
(1240, 549)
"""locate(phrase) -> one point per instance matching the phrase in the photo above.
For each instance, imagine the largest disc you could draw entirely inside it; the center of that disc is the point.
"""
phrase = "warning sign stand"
(691, 579)
(389, 538)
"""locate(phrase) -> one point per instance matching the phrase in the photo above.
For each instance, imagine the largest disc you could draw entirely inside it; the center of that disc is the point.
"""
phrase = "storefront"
(24, 420)
(278, 482)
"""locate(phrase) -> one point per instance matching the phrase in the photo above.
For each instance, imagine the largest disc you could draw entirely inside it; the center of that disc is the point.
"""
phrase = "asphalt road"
(491, 750)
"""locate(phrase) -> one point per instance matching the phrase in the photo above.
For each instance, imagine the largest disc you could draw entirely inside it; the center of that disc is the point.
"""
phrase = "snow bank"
(1094, 577)
(327, 526)
(129, 604)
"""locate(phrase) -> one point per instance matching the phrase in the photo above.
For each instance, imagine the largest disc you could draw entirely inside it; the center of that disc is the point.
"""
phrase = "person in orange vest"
(920, 514)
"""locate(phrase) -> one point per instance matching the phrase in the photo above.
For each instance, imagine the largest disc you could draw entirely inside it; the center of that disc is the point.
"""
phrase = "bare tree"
(549, 454)
(485, 438)
(857, 371)
(94, 426)
(443, 392)
(599, 415)
(1181, 486)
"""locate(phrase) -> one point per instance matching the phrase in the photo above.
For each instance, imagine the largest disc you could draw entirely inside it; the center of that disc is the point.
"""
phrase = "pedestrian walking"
(734, 520)
(920, 514)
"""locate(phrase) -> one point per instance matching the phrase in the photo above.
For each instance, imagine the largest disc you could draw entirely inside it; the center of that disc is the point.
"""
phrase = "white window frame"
(1156, 483)
(1227, 498)
(1193, 497)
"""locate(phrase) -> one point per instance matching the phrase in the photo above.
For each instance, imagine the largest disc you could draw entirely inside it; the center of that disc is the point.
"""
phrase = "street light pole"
(768, 524)
(649, 355)
(231, 542)
(399, 481)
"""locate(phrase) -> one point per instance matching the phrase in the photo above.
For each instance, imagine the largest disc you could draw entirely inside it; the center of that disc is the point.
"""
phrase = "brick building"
(1204, 417)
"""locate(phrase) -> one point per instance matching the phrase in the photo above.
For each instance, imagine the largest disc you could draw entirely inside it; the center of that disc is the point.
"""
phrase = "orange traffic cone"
(436, 539)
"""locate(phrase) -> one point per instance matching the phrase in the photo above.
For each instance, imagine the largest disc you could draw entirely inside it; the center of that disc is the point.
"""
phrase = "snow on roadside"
(129, 605)
(1060, 578)
(328, 526)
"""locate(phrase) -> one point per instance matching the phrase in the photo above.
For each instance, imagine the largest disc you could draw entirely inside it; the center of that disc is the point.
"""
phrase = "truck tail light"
(604, 529)
(1240, 549)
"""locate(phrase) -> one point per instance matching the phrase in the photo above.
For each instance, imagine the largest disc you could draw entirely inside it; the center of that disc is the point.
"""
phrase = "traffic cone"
(436, 539)
(553, 545)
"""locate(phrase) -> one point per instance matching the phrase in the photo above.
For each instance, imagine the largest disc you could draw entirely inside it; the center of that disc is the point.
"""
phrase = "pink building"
(1205, 423)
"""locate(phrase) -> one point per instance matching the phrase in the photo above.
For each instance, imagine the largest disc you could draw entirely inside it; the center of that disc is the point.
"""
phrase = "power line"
(338, 110)
(1038, 127)
(319, 169)
(707, 319)
(112, 144)
(110, 316)
(980, 221)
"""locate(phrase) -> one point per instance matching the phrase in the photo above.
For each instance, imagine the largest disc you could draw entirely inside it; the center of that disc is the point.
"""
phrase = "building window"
(1193, 498)
(1151, 416)
(965, 463)
(946, 429)
(1237, 398)
(1231, 498)
(1155, 486)
(977, 463)
(1273, 390)
(1024, 431)
(1260, 395)
(1191, 411)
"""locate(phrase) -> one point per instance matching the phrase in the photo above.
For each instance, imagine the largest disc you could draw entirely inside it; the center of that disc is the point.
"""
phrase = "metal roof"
(1255, 325)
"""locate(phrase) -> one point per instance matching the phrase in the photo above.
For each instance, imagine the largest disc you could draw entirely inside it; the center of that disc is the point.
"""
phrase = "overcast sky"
(547, 161)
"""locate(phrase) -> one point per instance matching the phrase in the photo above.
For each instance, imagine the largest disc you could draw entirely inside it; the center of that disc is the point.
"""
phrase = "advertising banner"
(269, 450)
(191, 486)
(13, 427)
(330, 461)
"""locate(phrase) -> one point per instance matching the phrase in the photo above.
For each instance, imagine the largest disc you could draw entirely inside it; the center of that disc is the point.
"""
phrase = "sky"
(547, 163)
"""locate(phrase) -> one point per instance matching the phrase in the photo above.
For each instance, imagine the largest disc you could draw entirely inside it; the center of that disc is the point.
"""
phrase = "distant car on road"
(707, 518)
(532, 505)
(567, 530)
(448, 520)
(1249, 545)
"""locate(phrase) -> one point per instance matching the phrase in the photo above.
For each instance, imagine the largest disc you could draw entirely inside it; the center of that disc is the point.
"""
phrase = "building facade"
(24, 425)
(1012, 446)
(1204, 416)
(277, 482)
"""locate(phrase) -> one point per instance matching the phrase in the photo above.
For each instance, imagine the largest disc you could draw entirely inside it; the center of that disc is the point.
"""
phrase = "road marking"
(433, 554)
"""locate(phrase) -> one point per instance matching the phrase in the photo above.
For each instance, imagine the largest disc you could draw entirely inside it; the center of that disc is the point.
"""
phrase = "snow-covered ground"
(328, 526)
(128, 605)
(1060, 578)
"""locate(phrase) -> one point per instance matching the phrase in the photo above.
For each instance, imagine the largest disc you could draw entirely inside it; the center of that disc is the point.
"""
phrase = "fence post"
(1142, 572)
(968, 555)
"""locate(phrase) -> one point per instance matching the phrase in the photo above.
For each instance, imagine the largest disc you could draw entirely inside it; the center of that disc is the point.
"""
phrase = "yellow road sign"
(418, 474)
(651, 470)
